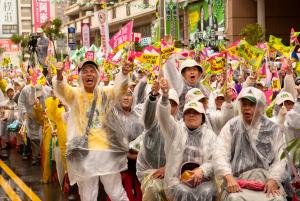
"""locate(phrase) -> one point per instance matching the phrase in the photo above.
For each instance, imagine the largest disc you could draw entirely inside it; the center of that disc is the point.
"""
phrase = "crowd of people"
(173, 138)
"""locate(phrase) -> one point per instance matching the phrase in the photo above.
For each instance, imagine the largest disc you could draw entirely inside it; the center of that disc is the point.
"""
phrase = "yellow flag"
(276, 43)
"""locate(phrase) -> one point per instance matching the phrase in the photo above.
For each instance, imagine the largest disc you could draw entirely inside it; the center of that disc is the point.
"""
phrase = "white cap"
(189, 63)
(195, 105)
(284, 96)
(39, 30)
(253, 94)
(9, 87)
(217, 93)
(173, 96)
(194, 94)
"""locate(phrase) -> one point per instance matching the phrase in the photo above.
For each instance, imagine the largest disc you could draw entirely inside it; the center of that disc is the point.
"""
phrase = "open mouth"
(90, 81)
(193, 76)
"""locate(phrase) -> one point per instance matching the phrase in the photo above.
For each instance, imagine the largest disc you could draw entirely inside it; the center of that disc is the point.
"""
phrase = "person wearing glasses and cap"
(248, 151)
(91, 109)
(189, 146)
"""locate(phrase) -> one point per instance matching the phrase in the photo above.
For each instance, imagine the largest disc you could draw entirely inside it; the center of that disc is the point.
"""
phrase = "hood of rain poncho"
(183, 151)
(107, 138)
(254, 95)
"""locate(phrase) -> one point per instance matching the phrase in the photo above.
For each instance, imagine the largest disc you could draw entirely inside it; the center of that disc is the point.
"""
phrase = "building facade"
(119, 13)
(274, 16)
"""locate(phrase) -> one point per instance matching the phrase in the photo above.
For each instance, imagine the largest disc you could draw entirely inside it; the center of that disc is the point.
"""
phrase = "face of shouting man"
(89, 77)
(191, 75)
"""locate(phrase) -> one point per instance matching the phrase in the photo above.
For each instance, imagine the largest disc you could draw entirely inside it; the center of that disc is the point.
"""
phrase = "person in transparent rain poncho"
(129, 116)
(248, 149)
(284, 103)
(26, 101)
(106, 153)
(10, 114)
(215, 120)
(152, 158)
(186, 78)
(189, 145)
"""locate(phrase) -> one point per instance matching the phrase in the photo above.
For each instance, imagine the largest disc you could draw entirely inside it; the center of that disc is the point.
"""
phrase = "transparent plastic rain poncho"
(292, 122)
(177, 82)
(152, 155)
(130, 122)
(243, 147)
(178, 139)
(107, 139)
(26, 103)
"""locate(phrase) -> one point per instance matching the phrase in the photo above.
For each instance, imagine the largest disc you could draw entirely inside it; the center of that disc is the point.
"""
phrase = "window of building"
(25, 12)
(26, 24)
(128, 9)
(145, 30)
(25, 1)
(114, 13)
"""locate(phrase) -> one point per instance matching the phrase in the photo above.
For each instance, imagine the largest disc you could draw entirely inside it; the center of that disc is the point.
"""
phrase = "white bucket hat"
(284, 96)
(173, 96)
(194, 94)
(195, 105)
(190, 63)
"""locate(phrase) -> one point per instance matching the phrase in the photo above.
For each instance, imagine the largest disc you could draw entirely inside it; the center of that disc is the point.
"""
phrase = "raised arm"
(173, 75)
(166, 120)
(140, 91)
(121, 84)
(61, 88)
(149, 111)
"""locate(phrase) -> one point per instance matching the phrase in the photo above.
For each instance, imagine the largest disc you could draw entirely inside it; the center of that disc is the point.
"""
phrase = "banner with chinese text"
(41, 11)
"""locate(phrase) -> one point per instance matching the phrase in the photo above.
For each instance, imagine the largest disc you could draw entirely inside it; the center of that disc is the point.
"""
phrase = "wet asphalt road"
(31, 176)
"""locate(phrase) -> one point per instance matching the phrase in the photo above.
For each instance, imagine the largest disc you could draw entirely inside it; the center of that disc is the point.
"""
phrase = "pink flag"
(122, 36)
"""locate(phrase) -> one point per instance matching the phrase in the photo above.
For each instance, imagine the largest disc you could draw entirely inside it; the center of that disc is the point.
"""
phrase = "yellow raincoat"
(53, 115)
(40, 116)
(105, 156)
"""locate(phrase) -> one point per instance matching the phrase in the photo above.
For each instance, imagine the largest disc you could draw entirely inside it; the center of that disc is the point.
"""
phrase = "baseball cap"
(9, 87)
(194, 94)
(217, 93)
(173, 96)
(190, 63)
(284, 96)
(252, 94)
(81, 65)
(194, 105)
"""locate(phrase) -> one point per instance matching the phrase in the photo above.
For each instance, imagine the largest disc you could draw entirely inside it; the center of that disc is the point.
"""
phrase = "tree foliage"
(253, 33)
(52, 29)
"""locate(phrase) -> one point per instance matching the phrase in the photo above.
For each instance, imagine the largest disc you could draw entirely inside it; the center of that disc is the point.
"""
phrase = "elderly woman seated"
(247, 153)
(188, 146)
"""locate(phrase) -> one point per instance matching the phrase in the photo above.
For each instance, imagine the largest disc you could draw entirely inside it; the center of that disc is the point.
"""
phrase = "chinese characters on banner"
(102, 17)
(8, 45)
(85, 34)
(41, 11)
(89, 55)
(72, 38)
(8, 19)
(172, 19)
(122, 36)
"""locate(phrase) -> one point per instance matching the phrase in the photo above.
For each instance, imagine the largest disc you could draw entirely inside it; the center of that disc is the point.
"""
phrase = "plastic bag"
(78, 148)
(15, 126)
